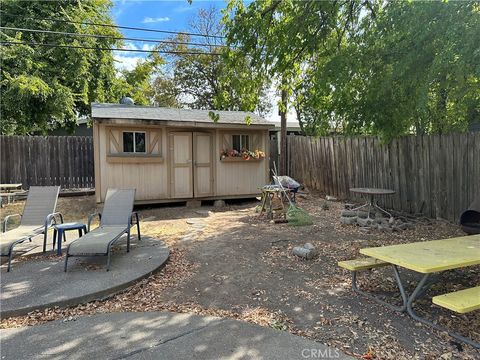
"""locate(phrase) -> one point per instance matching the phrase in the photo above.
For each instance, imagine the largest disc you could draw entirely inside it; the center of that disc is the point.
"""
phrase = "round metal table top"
(372, 191)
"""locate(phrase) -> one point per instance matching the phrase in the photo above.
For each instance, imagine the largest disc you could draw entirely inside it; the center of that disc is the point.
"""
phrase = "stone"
(349, 213)
(402, 226)
(364, 222)
(330, 198)
(349, 206)
(362, 214)
(203, 212)
(385, 228)
(303, 253)
(348, 220)
(219, 203)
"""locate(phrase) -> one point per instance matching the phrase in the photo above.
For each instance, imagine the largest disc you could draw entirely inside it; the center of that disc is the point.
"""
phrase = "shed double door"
(191, 174)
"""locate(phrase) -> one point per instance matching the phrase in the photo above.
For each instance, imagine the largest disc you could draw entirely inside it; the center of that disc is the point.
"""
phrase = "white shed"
(179, 154)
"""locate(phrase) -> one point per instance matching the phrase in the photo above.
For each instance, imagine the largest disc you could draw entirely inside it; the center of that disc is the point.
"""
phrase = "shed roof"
(151, 113)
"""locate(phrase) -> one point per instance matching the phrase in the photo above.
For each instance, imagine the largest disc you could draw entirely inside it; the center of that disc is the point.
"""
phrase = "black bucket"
(470, 219)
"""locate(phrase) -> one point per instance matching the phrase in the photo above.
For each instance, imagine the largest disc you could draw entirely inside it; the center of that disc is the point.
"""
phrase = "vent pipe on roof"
(127, 101)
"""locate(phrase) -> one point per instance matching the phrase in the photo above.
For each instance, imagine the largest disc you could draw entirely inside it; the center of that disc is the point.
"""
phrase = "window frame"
(247, 136)
(134, 142)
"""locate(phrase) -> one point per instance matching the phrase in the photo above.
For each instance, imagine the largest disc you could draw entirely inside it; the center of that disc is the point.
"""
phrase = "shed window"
(241, 142)
(133, 142)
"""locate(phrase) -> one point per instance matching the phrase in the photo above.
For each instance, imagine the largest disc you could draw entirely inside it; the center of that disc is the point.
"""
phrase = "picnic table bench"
(430, 258)
(9, 191)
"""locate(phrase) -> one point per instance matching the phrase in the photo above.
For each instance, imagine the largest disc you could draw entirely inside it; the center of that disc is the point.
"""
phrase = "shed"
(171, 154)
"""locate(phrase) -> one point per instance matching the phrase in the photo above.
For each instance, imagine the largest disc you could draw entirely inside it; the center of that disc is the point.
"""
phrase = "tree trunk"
(283, 134)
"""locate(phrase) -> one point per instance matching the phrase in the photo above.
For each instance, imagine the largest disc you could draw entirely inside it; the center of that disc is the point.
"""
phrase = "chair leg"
(128, 240)
(138, 228)
(45, 241)
(54, 238)
(66, 262)
(10, 260)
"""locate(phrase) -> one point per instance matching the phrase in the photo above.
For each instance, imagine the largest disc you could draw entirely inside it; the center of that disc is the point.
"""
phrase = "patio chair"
(115, 221)
(38, 215)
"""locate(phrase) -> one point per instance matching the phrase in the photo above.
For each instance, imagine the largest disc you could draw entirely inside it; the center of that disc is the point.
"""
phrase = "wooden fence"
(53, 160)
(437, 175)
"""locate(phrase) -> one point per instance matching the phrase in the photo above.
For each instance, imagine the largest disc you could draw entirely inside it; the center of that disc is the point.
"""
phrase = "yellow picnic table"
(430, 256)
(427, 258)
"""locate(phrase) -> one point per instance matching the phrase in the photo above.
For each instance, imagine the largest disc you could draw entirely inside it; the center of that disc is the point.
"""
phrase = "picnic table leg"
(421, 288)
(401, 308)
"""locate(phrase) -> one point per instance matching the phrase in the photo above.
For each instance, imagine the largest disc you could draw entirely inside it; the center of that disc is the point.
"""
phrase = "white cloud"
(149, 20)
(148, 47)
(123, 62)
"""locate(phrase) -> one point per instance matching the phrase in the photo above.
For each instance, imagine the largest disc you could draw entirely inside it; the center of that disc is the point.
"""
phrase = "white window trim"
(134, 143)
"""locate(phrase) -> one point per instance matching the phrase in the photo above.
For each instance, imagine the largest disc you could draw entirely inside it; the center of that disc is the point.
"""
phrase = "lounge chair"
(38, 215)
(115, 221)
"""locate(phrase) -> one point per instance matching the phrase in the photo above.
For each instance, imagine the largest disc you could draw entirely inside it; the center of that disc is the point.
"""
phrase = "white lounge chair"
(38, 215)
(115, 221)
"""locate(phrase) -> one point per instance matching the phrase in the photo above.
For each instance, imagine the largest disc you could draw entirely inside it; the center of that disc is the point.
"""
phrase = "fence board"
(438, 175)
(52, 160)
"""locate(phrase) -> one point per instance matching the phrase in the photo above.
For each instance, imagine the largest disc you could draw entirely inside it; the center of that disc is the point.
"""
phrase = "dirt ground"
(229, 262)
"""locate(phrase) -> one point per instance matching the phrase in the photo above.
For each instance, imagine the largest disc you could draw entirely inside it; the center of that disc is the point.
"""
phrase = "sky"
(154, 14)
(162, 15)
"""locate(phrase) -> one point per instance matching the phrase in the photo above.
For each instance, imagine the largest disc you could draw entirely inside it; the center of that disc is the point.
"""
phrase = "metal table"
(371, 193)
(429, 258)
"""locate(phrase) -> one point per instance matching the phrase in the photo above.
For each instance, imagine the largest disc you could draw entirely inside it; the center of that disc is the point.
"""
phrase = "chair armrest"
(52, 218)
(5, 221)
(90, 218)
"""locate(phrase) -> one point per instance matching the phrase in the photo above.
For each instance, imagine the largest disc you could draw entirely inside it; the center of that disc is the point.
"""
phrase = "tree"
(209, 75)
(412, 69)
(281, 36)
(368, 67)
(48, 87)
(137, 83)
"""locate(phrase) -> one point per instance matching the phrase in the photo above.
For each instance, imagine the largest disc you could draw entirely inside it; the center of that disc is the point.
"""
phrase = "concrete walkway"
(38, 284)
(157, 335)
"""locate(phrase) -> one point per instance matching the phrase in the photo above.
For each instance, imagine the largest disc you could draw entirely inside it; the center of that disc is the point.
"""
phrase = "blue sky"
(154, 14)
(162, 15)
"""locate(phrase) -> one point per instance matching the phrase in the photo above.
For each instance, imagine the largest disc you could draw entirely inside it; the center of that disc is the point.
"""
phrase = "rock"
(349, 206)
(330, 198)
(365, 230)
(309, 246)
(385, 228)
(348, 220)
(303, 253)
(410, 225)
(349, 213)
(362, 214)
(402, 226)
(203, 212)
(219, 203)
(325, 206)
(364, 222)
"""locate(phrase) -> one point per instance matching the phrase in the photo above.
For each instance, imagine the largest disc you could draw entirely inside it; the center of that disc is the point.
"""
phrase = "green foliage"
(200, 80)
(367, 67)
(46, 87)
(137, 83)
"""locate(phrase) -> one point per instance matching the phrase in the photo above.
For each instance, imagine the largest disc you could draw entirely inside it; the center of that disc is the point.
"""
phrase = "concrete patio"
(41, 282)
(158, 335)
